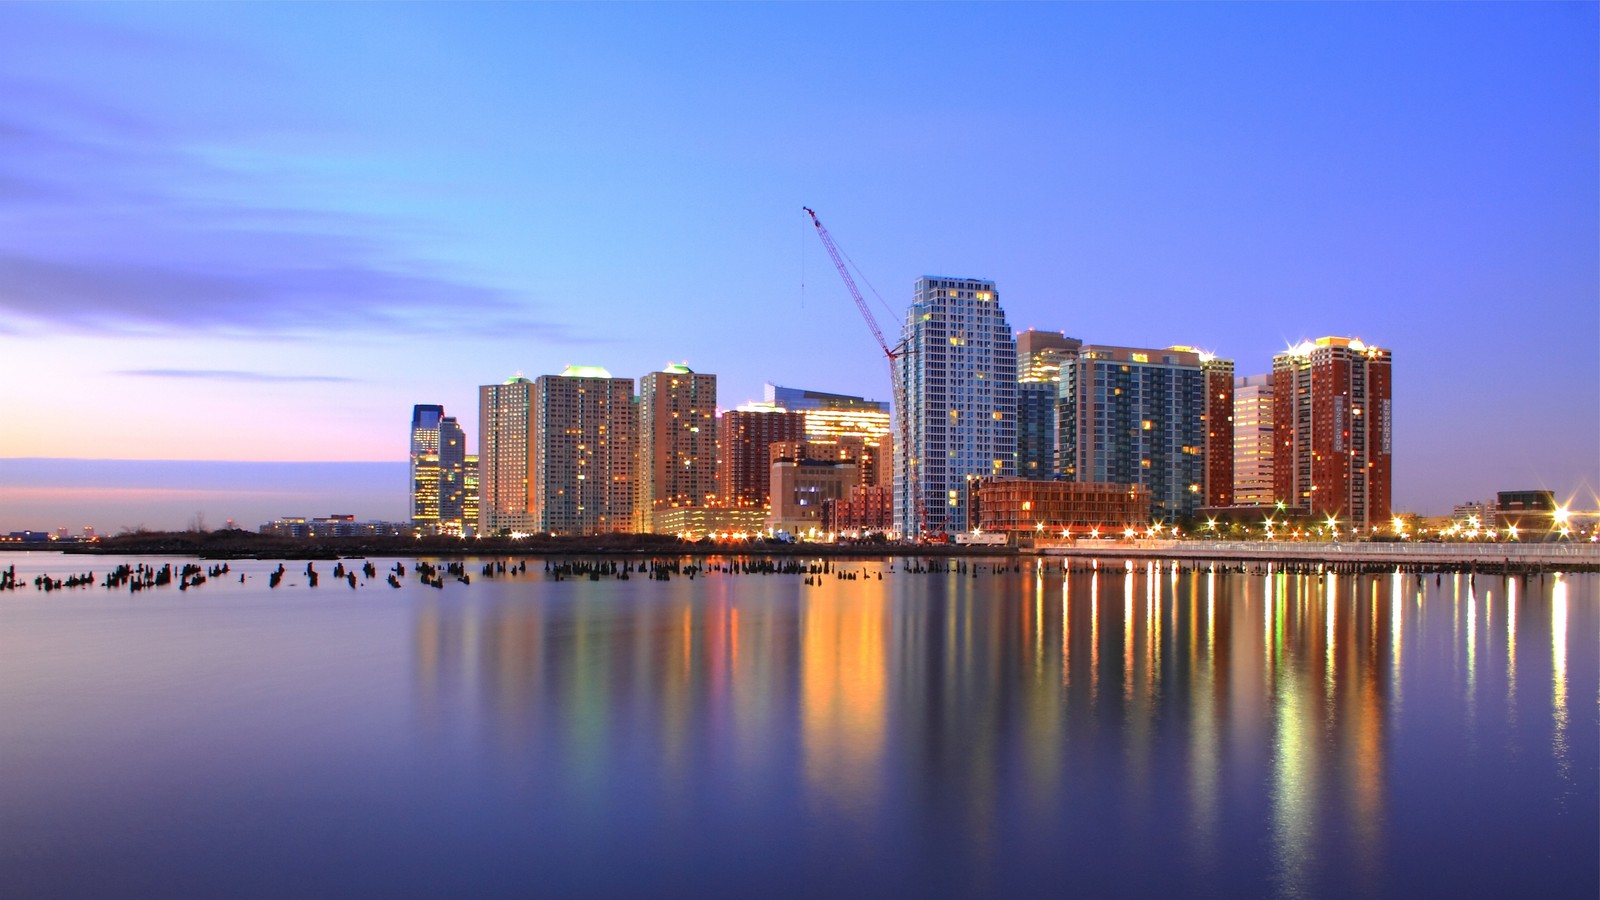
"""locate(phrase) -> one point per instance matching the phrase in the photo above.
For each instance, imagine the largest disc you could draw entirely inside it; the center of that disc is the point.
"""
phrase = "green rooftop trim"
(584, 372)
(518, 379)
(672, 368)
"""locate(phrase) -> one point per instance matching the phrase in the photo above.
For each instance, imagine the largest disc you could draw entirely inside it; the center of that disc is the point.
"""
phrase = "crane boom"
(917, 514)
(850, 283)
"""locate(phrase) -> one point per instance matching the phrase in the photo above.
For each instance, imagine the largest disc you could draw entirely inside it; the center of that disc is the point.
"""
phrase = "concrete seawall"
(1565, 556)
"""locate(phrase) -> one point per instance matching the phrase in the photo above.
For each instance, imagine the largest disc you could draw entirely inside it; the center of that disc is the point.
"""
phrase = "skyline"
(239, 234)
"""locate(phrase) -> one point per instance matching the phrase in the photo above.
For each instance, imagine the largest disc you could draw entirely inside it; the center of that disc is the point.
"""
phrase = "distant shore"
(1348, 556)
(238, 544)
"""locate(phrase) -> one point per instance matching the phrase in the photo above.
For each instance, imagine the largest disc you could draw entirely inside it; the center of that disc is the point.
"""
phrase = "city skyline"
(218, 220)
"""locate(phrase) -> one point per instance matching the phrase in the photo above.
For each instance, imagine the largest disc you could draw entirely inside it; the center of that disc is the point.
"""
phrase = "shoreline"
(1358, 556)
(247, 545)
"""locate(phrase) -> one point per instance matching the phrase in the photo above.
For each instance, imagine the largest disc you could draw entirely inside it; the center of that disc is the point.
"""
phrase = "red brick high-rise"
(1332, 429)
(744, 473)
(1219, 430)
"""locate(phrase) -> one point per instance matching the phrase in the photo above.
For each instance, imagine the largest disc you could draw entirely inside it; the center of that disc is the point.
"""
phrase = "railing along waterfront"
(1585, 554)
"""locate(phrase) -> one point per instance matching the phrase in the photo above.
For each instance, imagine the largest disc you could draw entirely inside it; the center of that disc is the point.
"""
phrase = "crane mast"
(917, 515)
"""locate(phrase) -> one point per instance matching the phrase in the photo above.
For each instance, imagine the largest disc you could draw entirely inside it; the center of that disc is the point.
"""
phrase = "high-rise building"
(958, 376)
(744, 472)
(858, 429)
(438, 457)
(800, 399)
(1332, 430)
(583, 452)
(505, 456)
(1252, 440)
(1137, 416)
(1217, 488)
(469, 493)
(1036, 430)
(1041, 354)
(452, 477)
(425, 418)
(677, 443)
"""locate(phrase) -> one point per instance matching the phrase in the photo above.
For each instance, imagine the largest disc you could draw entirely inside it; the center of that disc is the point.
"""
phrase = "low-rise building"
(1531, 513)
(869, 509)
(1021, 506)
(1473, 514)
(800, 487)
(334, 526)
(695, 522)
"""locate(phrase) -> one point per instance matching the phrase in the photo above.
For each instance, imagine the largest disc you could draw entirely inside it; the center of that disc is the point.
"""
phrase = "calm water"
(1127, 733)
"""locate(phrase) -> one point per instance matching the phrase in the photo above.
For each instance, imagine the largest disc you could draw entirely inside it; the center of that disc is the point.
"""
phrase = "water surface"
(1125, 732)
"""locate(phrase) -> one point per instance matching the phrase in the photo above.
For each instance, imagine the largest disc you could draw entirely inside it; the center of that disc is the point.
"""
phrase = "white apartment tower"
(958, 377)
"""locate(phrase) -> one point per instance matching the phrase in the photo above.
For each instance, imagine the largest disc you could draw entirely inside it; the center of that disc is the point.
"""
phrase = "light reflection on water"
(1558, 681)
(917, 733)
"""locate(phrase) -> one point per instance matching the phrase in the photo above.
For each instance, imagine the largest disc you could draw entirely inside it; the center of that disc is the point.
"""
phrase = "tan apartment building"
(1252, 440)
(677, 443)
(583, 458)
(505, 456)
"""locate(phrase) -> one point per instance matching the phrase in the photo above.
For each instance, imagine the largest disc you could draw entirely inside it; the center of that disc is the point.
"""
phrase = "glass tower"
(1137, 416)
(425, 419)
(452, 476)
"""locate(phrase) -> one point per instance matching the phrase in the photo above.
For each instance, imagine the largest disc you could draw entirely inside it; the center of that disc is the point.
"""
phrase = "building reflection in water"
(1511, 646)
(964, 708)
(844, 691)
(1558, 681)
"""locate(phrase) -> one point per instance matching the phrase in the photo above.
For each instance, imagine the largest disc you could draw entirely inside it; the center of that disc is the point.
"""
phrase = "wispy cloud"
(231, 375)
(108, 225)
(318, 290)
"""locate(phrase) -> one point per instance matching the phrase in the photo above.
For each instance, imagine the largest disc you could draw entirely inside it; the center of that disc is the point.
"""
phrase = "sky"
(262, 232)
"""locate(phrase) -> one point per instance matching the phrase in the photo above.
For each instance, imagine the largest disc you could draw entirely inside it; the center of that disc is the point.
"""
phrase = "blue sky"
(264, 231)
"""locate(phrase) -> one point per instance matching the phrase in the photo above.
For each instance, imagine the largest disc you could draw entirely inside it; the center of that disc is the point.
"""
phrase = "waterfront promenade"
(1574, 556)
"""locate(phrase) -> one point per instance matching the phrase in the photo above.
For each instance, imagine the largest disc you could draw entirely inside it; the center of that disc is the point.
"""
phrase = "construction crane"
(918, 518)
